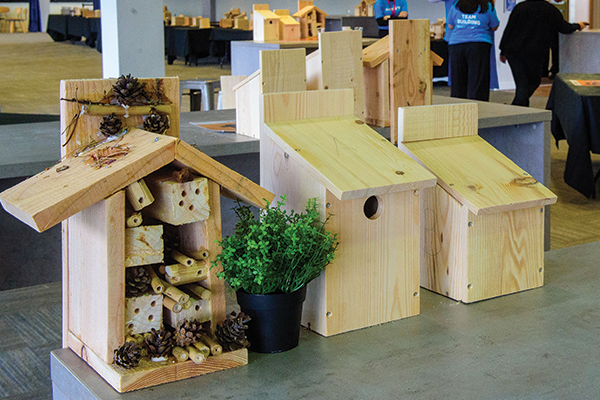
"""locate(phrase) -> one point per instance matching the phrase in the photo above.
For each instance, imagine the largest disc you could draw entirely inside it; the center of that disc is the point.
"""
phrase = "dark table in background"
(66, 27)
(576, 118)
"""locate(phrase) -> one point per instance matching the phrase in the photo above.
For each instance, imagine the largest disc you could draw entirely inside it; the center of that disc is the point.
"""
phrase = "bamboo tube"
(201, 254)
(94, 109)
(179, 273)
(180, 354)
(162, 269)
(202, 348)
(174, 293)
(198, 290)
(187, 305)
(134, 220)
(155, 281)
(172, 305)
(182, 259)
(195, 354)
(139, 195)
(215, 348)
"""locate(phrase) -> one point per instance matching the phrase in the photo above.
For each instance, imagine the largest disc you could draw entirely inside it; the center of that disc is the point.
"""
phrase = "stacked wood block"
(234, 19)
(483, 224)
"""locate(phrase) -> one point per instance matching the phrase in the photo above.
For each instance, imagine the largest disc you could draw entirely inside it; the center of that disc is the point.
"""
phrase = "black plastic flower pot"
(275, 324)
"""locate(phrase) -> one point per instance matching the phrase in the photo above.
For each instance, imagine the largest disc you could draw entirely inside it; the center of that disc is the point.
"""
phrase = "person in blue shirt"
(389, 9)
(470, 44)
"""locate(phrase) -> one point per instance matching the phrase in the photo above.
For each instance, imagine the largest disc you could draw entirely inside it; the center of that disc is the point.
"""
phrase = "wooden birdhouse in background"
(141, 214)
(483, 224)
(289, 28)
(365, 8)
(311, 19)
(312, 145)
(265, 22)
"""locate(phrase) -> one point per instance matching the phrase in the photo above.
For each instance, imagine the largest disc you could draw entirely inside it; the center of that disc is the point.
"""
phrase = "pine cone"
(110, 125)
(188, 332)
(159, 343)
(156, 123)
(138, 281)
(232, 333)
(128, 355)
(128, 90)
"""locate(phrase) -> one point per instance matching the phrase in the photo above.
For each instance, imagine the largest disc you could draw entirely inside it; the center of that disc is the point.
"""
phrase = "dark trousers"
(470, 70)
(527, 75)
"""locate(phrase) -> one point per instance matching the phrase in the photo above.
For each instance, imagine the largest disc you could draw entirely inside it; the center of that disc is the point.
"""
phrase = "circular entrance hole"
(372, 208)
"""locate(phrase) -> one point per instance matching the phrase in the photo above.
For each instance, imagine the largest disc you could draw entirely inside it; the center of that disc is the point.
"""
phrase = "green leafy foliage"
(279, 251)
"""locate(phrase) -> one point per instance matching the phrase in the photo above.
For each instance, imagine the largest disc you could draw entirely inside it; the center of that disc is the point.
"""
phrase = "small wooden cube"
(143, 313)
(144, 245)
(199, 310)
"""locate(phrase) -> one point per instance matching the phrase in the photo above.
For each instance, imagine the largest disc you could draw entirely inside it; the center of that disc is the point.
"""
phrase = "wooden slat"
(347, 157)
(437, 122)
(155, 373)
(308, 104)
(410, 68)
(341, 65)
(97, 275)
(283, 70)
(94, 90)
(234, 184)
(247, 106)
(377, 95)
(53, 195)
(479, 176)
(228, 82)
(436, 60)
(376, 53)
(314, 78)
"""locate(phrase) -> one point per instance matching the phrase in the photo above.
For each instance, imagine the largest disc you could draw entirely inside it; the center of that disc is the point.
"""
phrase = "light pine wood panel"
(375, 277)
(227, 93)
(154, 373)
(144, 245)
(437, 122)
(57, 193)
(347, 157)
(247, 106)
(479, 176)
(314, 78)
(505, 253)
(96, 291)
(443, 243)
(410, 68)
(377, 94)
(341, 65)
(233, 184)
(283, 70)
(204, 235)
(266, 25)
(376, 53)
(308, 104)
(94, 90)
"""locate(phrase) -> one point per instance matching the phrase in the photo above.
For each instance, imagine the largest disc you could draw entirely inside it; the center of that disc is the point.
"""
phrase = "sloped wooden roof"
(301, 13)
(347, 157)
(266, 14)
(72, 185)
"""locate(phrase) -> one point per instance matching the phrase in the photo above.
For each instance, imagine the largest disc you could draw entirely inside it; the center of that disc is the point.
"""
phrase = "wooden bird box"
(483, 225)
(313, 146)
(311, 19)
(86, 190)
(289, 28)
(266, 23)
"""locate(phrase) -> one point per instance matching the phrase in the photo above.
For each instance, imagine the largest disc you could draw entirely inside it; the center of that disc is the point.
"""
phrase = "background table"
(576, 118)
(66, 27)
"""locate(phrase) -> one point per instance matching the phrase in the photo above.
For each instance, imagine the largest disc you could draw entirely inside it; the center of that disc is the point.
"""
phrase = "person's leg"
(459, 70)
(479, 71)
(522, 81)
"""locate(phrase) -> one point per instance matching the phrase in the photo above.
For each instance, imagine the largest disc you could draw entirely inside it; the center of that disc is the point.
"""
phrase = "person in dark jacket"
(389, 9)
(526, 42)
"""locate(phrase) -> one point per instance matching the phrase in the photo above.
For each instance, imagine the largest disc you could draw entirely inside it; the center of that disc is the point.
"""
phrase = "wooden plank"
(233, 184)
(410, 68)
(247, 106)
(97, 275)
(86, 128)
(347, 157)
(505, 253)
(144, 245)
(341, 65)
(444, 223)
(375, 276)
(59, 192)
(204, 235)
(377, 95)
(307, 105)
(376, 53)
(154, 373)
(437, 122)
(65, 281)
(283, 70)
(479, 176)
(228, 82)
(436, 60)
(314, 78)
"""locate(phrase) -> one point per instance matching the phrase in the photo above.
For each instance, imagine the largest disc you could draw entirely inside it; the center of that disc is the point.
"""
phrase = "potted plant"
(268, 261)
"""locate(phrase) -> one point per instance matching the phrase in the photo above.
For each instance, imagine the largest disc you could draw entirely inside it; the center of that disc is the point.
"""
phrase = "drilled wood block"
(143, 313)
(144, 245)
(198, 309)
(178, 203)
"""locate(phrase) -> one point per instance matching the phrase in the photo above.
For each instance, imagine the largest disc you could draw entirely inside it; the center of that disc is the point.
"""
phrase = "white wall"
(579, 10)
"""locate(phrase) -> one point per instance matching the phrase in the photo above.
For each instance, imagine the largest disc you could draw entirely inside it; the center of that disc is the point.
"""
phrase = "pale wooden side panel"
(375, 277)
(96, 309)
(341, 65)
(308, 104)
(283, 70)
(377, 95)
(314, 78)
(437, 122)
(443, 243)
(410, 68)
(204, 234)
(227, 93)
(505, 253)
(247, 107)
